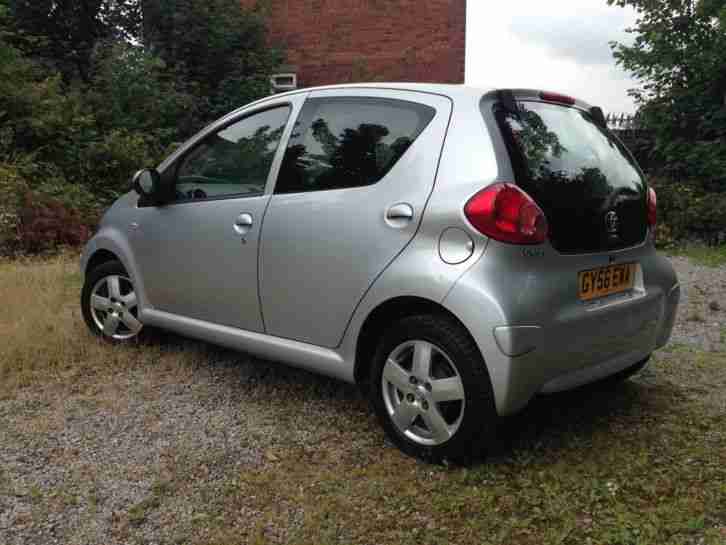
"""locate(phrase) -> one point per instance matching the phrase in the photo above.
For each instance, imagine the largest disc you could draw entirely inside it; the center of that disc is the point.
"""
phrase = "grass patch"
(44, 338)
(710, 256)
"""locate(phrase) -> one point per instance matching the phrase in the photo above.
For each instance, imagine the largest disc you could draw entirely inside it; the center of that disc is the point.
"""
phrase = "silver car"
(454, 251)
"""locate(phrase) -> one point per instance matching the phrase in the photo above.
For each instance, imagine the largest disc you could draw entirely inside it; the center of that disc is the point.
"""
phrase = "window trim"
(172, 170)
(343, 97)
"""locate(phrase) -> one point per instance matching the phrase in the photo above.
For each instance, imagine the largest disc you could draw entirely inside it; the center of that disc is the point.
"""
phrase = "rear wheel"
(431, 390)
(625, 374)
(110, 304)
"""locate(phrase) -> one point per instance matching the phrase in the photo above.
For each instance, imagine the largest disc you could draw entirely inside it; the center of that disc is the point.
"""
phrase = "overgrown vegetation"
(92, 91)
(679, 57)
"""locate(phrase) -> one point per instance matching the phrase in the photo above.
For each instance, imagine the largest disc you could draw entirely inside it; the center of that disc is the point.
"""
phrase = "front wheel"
(431, 390)
(109, 303)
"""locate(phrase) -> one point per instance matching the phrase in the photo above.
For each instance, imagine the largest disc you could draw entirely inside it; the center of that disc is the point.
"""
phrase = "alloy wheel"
(423, 392)
(114, 307)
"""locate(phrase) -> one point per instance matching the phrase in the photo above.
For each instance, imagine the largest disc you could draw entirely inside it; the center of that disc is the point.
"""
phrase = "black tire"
(625, 374)
(93, 278)
(476, 427)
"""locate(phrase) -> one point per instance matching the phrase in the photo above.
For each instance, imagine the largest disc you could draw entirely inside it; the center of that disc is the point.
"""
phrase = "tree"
(679, 56)
(218, 49)
(64, 33)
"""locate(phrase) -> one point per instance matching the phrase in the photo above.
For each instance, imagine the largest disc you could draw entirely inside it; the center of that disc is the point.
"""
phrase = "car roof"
(451, 90)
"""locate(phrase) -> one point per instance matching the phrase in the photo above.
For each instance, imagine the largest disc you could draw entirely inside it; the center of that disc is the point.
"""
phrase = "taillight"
(652, 207)
(556, 97)
(504, 212)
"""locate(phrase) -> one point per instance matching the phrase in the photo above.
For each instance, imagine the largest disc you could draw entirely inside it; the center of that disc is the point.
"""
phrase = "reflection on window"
(576, 171)
(233, 161)
(349, 142)
(564, 146)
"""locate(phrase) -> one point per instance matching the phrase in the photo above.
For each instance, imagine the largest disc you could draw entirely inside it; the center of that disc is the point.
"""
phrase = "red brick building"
(334, 41)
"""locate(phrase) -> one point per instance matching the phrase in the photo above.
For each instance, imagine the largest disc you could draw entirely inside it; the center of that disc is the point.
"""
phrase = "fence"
(623, 122)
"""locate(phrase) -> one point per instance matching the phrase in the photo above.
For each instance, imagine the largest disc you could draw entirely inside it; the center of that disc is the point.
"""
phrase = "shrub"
(686, 209)
(107, 165)
(44, 216)
(45, 223)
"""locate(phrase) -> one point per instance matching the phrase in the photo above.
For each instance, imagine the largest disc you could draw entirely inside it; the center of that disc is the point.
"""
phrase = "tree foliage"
(213, 46)
(65, 32)
(679, 56)
(91, 90)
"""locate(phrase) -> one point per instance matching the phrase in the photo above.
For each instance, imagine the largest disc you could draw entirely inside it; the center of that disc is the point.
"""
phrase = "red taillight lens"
(652, 207)
(556, 97)
(506, 213)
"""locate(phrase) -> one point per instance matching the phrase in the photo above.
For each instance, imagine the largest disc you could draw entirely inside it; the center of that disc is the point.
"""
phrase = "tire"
(110, 305)
(625, 374)
(444, 414)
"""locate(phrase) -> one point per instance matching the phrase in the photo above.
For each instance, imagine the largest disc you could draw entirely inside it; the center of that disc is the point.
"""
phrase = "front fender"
(114, 236)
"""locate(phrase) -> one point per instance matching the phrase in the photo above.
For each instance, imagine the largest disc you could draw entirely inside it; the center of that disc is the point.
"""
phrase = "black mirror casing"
(147, 183)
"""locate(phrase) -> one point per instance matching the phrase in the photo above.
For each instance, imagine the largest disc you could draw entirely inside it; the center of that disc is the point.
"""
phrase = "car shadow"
(552, 422)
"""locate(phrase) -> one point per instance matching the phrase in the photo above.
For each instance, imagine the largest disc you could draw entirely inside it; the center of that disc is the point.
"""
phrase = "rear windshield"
(577, 172)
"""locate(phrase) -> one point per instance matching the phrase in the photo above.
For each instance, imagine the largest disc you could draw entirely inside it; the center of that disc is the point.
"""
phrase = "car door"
(356, 175)
(198, 253)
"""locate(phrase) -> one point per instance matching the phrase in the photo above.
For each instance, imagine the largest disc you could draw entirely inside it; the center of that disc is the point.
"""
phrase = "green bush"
(45, 215)
(686, 209)
(87, 98)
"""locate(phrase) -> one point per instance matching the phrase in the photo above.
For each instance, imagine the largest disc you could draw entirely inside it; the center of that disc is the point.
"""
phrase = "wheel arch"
(99, 257)
(385, 314)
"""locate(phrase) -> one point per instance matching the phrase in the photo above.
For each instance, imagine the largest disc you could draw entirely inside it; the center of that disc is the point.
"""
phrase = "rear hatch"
(586, 182)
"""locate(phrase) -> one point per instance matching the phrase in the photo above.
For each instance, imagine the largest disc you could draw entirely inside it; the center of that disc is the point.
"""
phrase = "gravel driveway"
(702, 312)
(152, 450)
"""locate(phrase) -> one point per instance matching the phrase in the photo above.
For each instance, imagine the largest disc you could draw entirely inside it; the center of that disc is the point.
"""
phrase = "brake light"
(504, 212)
(556, 97)
(652, 207)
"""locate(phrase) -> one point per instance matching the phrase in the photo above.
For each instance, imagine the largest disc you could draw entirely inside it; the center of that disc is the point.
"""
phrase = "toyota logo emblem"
(612, 223)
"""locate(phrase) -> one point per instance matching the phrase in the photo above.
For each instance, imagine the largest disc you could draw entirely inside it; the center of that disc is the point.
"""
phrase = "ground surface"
(179, 442)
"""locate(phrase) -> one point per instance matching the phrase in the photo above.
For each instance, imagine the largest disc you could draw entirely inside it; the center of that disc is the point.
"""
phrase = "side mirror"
(147, 183)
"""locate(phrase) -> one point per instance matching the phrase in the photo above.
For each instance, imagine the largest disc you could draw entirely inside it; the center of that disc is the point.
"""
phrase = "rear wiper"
(598, 116)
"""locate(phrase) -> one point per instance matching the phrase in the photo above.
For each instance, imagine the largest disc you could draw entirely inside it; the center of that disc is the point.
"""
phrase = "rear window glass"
(563, 145)
(577, 172)
(349, 142)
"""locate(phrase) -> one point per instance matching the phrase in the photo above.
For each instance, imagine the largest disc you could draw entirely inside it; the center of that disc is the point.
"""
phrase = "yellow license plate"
(604, 281)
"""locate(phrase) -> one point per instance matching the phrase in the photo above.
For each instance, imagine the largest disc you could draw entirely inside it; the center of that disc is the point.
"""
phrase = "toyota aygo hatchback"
(454, 251)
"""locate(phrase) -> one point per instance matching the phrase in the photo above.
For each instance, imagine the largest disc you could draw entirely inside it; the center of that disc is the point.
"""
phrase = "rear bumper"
(531, 344)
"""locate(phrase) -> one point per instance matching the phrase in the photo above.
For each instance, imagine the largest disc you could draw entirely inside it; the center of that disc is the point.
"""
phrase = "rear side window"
(348, 142)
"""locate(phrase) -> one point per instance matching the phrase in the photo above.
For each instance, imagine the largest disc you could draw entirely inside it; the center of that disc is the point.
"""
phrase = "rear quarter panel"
(468, 163)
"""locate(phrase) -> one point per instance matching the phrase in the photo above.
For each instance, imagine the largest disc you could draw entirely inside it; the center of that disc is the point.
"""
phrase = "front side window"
(349, 142)
(233, 161)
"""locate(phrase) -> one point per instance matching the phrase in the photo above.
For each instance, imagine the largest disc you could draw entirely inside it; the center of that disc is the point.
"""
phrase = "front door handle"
(243, 224)
(399, 215)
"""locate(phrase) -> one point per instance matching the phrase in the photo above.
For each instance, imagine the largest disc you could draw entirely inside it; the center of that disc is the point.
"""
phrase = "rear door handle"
(399, 215)
(401, 211)
(243, 224)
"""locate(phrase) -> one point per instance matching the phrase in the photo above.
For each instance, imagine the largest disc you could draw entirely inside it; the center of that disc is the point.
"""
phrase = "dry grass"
(179, 442)
(710, 256)
(44, 338)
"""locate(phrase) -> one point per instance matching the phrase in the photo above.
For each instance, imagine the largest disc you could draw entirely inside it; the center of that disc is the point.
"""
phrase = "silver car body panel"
(518, 303)
(336, 242)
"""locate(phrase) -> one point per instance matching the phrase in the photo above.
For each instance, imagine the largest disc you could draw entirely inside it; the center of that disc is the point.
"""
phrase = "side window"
(233, 161)
(348, 142)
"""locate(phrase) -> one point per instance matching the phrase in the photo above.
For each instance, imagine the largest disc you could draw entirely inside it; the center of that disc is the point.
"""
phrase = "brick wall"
(335, 41)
